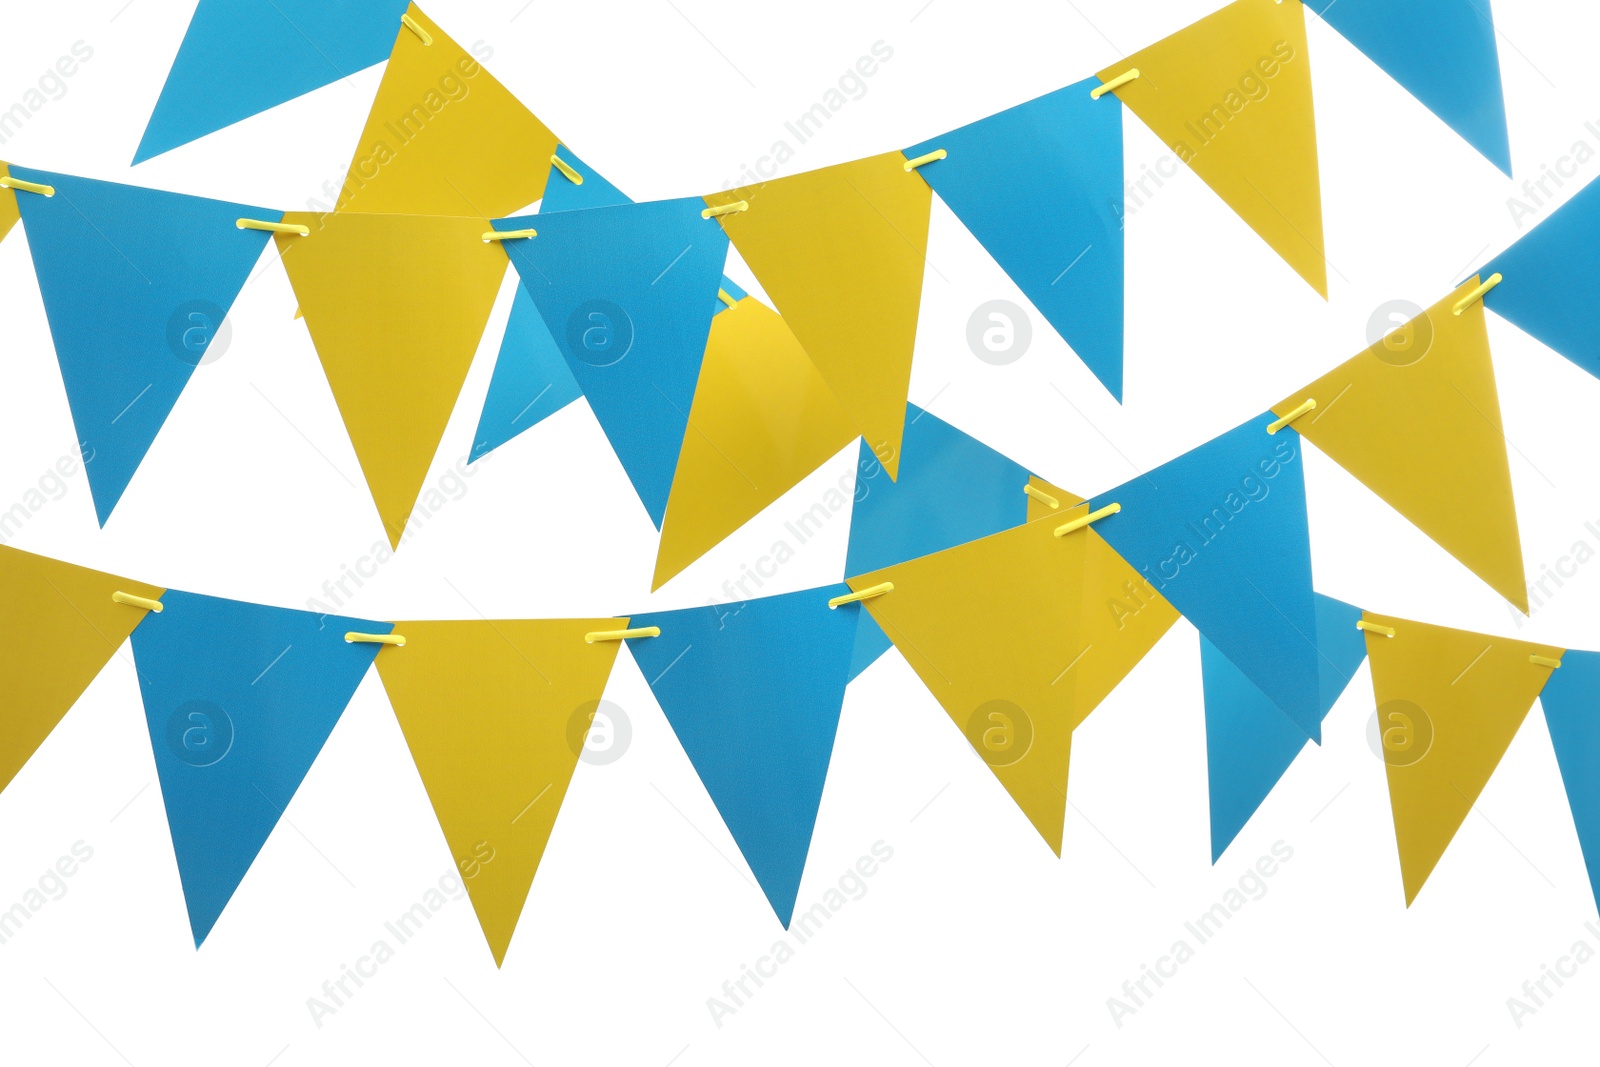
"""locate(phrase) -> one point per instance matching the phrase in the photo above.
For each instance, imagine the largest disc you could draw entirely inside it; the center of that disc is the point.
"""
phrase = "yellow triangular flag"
(1231, 96)
(58, 628)
(841, 252)
(8, 205)
(1449, 703)
(396, 305)
(495, 715)
(1123, 615)
(762, 420)
(991, 628)
(444, 137)
(1416, 419)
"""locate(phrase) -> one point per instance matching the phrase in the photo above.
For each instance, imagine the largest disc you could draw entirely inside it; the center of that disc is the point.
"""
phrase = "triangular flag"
(992, 627)
(396, 305)
(1547, 280)
(59, 627)
(1222, 533)
(241, 57)
(952, 489)
(1040, 186)
(495, 714)
(762, 420)
(628, 292)
(1449, 703)
(754, 699)
(841, 252)
(1231, 96)
(1440, 51)
(1416, 419)
(239, 699)
(136, 283)
(1571, 701)
(531, 380)
(8, 205)
(444, 137)
(1250, 743)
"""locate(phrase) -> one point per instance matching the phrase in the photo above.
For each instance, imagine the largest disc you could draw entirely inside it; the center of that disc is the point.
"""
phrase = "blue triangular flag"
(952, 489)
(239, 699)
(561, 193)
(1040, 186)
(531, 380)
(241, 57)
(754, 697)
(136, 284)
(1571, 702)
(1249, 742)
(1548, 279)
(627, 292)
(1440, 51)
(1221, 532)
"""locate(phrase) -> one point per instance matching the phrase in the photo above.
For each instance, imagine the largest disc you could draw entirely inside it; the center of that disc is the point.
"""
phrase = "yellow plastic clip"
(1114, 84)
(932, 157)
(8, 182)
(1545, 661)
(274, 227)
(725, 209)
(1042, 497)
(621, 635)
(354, 638)
(1477, 294)
(863, 594)
(1278, 424)
(1363, 624)
(1083, 520)
(132, 601)
(416, 27)
(566, 168)
(508, 235)
(726, 297)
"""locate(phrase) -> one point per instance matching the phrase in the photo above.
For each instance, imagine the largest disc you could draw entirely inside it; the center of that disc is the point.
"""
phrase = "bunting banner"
(136, 283)
(487, 709)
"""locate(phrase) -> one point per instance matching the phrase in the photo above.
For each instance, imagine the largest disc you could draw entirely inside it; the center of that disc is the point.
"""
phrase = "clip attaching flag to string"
(508, 235)
(416, 27)
(274, 227)
(8, 182)
(725, 209)
(862, 594)
(566, 169)
(932, 157)
(621, 635)
(726, 297)
(1114, 84)
(132, 601)
(353, 638)
(1042, 497)
(1545, 661)
(1363, 624)
(1083, 520)
(1278, 424)
(1477, 294)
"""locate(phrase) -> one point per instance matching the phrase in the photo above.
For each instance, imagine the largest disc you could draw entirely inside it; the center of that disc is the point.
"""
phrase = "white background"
(974, 943)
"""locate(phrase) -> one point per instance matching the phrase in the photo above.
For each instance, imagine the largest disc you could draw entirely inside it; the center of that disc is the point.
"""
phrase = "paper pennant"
(1449, 703)
(762, 420)
(952, 489)
(1250, 743)
(59, 628)
(396, 305)
(754, 698)
(1571, 701)
(627, 292)
(1231, 96)
(8, 205)
(1040, 186)
(1440, 51)
(1416, 419)
(1547, 279)
(1221, 532)
(841, 253)
(136, 285)
(495, 714)
(241, 57)
(239, 699)
(993, 628)
(444, 137)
